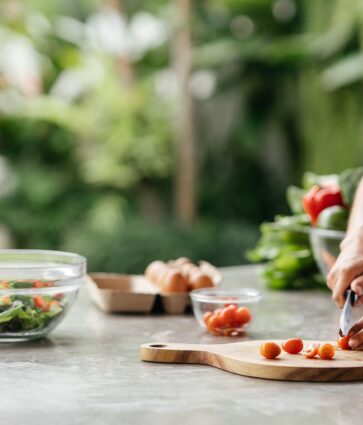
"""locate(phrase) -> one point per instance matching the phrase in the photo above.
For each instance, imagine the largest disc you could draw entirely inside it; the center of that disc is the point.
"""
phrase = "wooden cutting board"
(243, 358)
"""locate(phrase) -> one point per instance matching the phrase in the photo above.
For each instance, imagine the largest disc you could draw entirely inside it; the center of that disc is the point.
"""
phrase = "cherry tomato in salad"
(5, 300)
(343, 343)
(326, 351)
(311, 351)
(39, 301)
(293, 346)
(270, 350)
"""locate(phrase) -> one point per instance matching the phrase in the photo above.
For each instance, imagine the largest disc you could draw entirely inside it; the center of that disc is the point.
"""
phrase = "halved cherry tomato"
(243, 315)
(270, 350)
(311, 351)
(293, 345)
(343, 343)
(326, 351)
(207, 316)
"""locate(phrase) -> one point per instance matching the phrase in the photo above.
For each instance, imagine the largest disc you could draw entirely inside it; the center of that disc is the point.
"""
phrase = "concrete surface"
(88, 371)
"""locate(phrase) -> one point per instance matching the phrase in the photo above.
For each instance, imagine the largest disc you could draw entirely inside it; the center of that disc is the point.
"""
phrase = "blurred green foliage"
(277, 91)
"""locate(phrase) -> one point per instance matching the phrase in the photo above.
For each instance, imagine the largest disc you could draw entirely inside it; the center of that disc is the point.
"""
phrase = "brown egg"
(200, 280)
(188, 269)
(174, 281)
(161, 273)
(179, 262)
(153, 270)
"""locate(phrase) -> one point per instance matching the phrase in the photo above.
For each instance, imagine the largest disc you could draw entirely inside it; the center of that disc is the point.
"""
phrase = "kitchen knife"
(346, 318)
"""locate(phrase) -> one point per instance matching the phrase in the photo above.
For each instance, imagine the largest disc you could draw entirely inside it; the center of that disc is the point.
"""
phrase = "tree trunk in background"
(185, 177)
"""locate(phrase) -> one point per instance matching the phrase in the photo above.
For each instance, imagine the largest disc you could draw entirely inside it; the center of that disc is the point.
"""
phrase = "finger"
(356, 341)
(348, 272)
(359, 302)
(331, 279)
(357, 285)
(338, 294)
(356, 328)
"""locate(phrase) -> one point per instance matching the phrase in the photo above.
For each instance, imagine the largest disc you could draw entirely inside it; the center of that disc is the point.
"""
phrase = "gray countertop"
(89, 372)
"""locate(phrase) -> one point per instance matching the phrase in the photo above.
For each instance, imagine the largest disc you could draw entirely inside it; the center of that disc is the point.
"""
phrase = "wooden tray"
(117, 293)
(243, 358)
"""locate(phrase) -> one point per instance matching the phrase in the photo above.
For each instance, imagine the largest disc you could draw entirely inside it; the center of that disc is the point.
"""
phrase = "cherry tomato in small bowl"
(225, 312)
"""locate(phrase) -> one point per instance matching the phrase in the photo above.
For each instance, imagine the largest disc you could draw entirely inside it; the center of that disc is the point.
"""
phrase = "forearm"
(356, 216)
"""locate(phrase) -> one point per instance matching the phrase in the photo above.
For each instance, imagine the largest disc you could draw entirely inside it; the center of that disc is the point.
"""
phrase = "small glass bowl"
(325, 245)
(209, 300)
(37, 289)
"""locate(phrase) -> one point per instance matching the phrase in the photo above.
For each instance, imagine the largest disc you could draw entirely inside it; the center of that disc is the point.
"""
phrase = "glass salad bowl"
(325, 245)
(225, 312)
(37, 289)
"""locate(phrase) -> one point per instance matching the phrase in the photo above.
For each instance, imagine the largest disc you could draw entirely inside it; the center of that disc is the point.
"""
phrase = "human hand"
(348, 270)
(356, 335)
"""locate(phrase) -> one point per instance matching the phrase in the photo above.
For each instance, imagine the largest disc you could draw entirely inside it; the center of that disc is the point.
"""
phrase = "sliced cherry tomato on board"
(311, 351)
(326, 351)
(270, 350)
(343, 343)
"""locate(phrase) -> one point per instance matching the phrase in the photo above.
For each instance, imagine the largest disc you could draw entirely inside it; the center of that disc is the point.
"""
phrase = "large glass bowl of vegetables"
(37, 289)
(325, 244)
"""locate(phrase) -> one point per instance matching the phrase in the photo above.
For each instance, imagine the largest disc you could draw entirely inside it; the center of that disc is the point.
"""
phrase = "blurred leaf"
(345, 71)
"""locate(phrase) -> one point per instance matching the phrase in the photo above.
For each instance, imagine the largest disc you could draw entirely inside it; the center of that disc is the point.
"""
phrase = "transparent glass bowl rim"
(313, 231)
(63, 262)
(218, 296)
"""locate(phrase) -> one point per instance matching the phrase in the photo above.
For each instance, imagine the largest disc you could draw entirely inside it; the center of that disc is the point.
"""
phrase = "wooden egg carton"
(119, 293)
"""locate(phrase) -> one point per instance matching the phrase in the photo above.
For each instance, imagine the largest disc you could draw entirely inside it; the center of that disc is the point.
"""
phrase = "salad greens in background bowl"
(298, 250)
(37, 289)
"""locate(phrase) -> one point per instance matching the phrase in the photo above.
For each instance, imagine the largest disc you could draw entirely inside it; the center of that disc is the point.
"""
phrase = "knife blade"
(346, 318)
